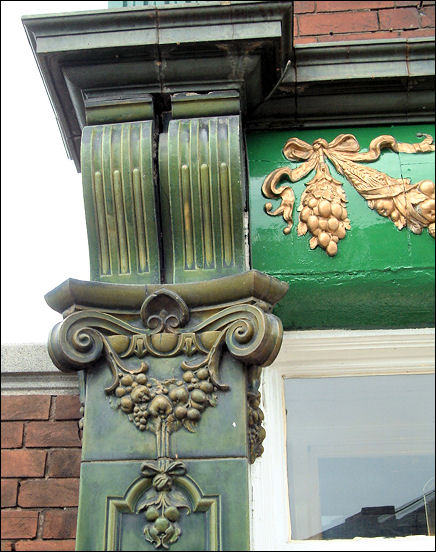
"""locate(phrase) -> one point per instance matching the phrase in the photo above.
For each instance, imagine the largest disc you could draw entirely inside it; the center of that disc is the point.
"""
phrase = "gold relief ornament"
(323, 204)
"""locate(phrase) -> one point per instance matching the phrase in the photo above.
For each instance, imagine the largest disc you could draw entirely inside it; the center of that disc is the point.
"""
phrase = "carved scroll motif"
(162, 407)
(323, 204)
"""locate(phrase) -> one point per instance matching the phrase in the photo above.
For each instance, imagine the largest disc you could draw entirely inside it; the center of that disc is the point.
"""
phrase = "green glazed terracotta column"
(171, 418)
(170, 335)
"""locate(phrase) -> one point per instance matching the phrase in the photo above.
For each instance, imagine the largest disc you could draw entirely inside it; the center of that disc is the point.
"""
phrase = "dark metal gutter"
(354, 84)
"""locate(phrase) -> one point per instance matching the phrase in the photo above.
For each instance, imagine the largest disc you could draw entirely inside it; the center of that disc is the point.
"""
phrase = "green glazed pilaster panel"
(106, 426)
(171, 407)
(119, 194)
(216, 492)
(201, 182)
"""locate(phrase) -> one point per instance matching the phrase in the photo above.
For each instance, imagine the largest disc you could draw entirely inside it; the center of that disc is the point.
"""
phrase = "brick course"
(401, 18)
(19, 524)
(52, 434)
(9, 493)
(26, 407)
(67, 407)
(340, 22)
(335, 21)
(326, 6)
(49, 492)
(40, 466)
(44, 545)
(60, 524)
(11, 434)
(23, 463)
(428, 16)
(304, 7)
(64, 463)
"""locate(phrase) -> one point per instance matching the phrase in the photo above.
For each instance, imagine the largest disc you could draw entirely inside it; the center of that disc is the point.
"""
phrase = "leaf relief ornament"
(322, 208)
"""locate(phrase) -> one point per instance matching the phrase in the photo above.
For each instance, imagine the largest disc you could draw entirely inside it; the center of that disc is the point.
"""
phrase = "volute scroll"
(164, 327)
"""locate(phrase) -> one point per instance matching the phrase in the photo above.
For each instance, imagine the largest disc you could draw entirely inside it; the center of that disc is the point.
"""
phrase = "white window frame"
(316, 354)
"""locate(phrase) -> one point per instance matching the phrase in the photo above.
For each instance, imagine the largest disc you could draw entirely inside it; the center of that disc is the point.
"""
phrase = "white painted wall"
(315, 354)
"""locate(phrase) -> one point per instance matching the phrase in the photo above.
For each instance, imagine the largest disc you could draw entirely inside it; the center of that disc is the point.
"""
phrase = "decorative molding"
(317, 354)
(256, 433)
(316, 85)
(201, 179)
(353, 83)
(323, 204)
(249, 287)
(119, 191)
(162, 528)
(217, 46)
(163, 328)
(340, 353)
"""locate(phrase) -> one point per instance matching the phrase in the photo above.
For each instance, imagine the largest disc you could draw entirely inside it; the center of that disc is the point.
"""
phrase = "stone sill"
(28, 370)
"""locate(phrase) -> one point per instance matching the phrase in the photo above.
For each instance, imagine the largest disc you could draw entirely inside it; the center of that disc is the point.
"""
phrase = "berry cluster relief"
(322, 209)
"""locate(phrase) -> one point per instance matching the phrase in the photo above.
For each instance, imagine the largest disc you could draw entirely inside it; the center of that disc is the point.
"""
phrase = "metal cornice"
(195, 50)
(354, 83)
(242, 46)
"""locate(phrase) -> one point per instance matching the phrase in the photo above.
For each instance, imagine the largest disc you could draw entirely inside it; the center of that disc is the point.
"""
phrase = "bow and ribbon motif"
(162, 502)
(323, 203)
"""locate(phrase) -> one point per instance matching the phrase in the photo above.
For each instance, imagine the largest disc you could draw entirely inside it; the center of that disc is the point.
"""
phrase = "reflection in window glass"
(360, 454)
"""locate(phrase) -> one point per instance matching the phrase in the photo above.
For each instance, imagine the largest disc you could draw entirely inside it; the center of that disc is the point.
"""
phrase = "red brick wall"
(324, 21)
(40, 465)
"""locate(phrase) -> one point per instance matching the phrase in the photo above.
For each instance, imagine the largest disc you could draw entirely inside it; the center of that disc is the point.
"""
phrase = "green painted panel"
(109, 435)
(380, 278)
(222, 480)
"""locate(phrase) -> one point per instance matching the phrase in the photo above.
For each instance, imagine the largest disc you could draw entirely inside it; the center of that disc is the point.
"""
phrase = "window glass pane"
(360, 452)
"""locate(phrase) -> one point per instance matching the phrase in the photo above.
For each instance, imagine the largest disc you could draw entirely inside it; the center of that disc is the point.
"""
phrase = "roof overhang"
(127, 54)
(354, 84)
(241, 46)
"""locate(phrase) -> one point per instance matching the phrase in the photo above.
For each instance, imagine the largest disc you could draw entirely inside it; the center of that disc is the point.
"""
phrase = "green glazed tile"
(224, 525)
(109, 435)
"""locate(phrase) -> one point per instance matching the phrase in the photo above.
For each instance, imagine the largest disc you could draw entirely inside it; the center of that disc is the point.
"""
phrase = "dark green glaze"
(380, 278)
(118, 187)
(201, 199)
(225, 479)
(108, 435)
